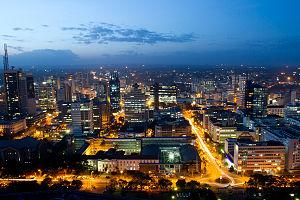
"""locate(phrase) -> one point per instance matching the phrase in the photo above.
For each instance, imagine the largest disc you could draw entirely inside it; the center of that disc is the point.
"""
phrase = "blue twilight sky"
(254, 32)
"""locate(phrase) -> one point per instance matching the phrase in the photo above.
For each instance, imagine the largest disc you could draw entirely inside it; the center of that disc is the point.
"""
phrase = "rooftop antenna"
(5, 58)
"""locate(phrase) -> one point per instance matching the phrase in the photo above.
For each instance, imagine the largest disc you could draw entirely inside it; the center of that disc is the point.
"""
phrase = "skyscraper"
(20, 95)
(135, 105)
(240, 90)
(82, 117)
(13, 97)
(47, 94)
(164, 95)
(255, 100)
(114, 92)
(101, 114)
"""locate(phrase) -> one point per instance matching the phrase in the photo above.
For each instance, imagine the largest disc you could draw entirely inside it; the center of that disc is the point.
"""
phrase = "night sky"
(190, 32)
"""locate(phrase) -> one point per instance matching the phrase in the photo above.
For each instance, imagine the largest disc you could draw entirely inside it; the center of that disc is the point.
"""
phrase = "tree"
(231, 169)
(164, 184)
(192, 185)
(260, 180)
(76, 184)
(181, 183)
(112, 186)
(45, 184)
(122, 184)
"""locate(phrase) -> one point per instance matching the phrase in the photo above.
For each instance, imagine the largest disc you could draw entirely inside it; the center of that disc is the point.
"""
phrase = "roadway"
(215, 170)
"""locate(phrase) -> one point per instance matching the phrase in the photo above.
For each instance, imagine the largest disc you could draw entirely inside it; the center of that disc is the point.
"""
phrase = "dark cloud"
(22, 29)
(73, 29)
(8, 36)
(45, 25)
(17, 48)
(104, 33)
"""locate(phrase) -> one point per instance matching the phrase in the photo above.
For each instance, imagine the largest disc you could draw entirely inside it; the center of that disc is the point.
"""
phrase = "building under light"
(135, 105)
(163, 95)
(82, 118)
(255, 100)
(114, 92)
(268, 156)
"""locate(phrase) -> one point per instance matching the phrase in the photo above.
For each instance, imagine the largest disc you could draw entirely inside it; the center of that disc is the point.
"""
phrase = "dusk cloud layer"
(44, 57)
(22, 29)
(104, 33)
(197, 32)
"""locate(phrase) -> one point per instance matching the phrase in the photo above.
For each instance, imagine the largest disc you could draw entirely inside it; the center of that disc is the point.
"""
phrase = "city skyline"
(142, 32)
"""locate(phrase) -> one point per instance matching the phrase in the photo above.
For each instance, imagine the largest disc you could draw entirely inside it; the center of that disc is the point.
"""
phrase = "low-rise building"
(275, 110)
(117, 161)
(21, 151)
(173, 129)
(10, 127)
(266, 156)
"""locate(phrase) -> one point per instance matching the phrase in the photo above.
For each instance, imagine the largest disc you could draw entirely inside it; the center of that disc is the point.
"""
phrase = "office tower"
(240, 90)
(31, 100)
(101, 114)
(64, 109)
(47, 94)
(266, 156)
(82, 117)
(101, 88)
(255, 100)
(11, 84)
(20, 94)
(292, 110)
(2, 100)
(135, 105)
(64, 93)
(163, 95)
(114, 92)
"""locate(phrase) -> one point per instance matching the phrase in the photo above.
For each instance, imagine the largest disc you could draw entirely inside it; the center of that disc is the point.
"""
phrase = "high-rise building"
(20, 95)
(47, 94)
(101, 114)
(135, 105)
(31, 100)
(11, 83)
(114, 92)
(64, 109)
(163, 95)
(82, 117)
(64, 92)
(240, 90)
(102, 89)
(255, 100)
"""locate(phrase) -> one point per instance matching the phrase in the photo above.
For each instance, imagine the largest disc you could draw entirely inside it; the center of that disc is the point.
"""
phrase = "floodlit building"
(46, 94)
(275, 110)
(11, 127)
(163, 95)
(173, 129)
(266, 156)
(135, 105)
(101, 114)
(20, 94)
(82, 117)
(118, 162)
(114, 92)
(255, 100)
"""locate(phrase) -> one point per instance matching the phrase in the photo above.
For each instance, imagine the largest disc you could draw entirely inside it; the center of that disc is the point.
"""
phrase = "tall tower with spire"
(5, 58)
(19, 89)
